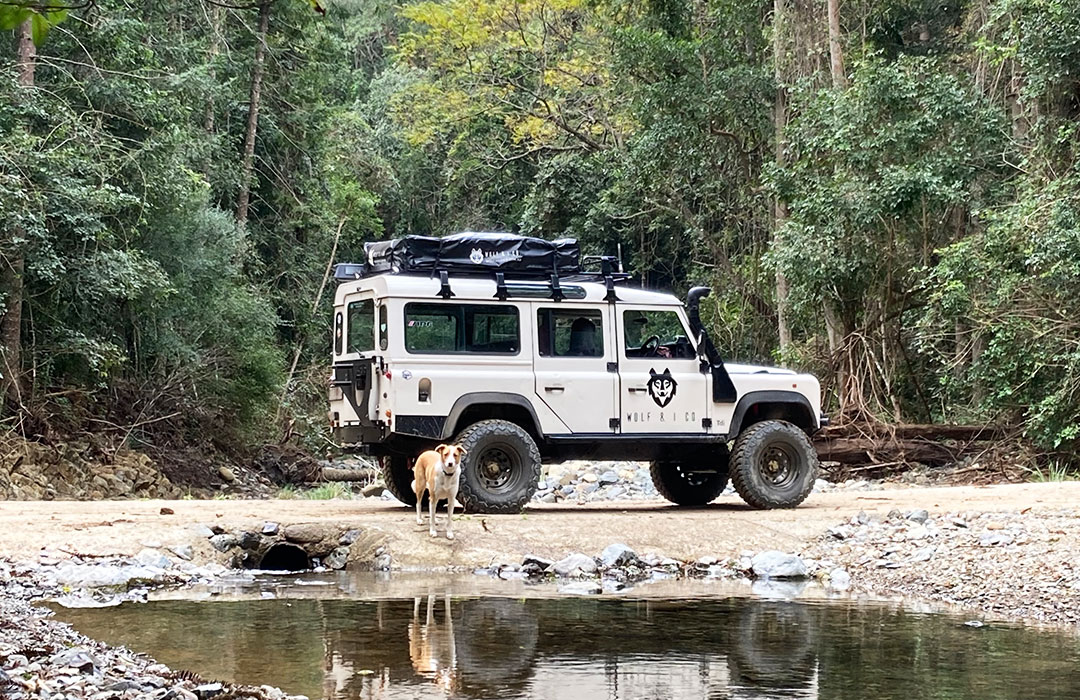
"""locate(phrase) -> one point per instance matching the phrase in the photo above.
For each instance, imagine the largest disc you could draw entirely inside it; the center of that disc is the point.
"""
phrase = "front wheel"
(773, 465)
(500, 469)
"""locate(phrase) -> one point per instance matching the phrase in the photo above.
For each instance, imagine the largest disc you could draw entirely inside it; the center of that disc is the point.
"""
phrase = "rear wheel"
(773, 465)
(398, 475)
(500, 469)
(690, 483)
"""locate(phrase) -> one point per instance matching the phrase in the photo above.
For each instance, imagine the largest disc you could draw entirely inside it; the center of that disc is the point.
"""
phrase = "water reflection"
(435, 645)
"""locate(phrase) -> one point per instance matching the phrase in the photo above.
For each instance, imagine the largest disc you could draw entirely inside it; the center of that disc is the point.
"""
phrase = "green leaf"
(39, 28)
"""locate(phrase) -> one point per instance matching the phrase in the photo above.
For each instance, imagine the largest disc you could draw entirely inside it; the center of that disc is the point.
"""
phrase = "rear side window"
(570, 333)
(462, 328)
(361, 326)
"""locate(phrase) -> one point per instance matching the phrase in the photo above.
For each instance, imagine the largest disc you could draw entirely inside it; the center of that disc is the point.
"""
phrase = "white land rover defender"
(505, 345)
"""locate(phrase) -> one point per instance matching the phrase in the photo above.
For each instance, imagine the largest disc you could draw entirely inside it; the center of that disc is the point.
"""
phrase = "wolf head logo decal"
(662, 387)
(476, 256)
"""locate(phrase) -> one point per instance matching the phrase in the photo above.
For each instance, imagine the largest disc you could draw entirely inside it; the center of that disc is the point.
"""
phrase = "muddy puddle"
(363, 636)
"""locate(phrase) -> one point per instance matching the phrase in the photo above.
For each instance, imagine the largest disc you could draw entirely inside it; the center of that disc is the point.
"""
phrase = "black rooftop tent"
(474, 253)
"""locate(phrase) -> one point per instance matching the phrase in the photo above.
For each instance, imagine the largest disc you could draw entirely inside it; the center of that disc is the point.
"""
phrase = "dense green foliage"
(922, 208)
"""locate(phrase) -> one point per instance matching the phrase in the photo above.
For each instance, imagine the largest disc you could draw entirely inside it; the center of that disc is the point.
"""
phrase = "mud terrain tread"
(474, 500)
(670, 485)
(398, 479)
(743, 464)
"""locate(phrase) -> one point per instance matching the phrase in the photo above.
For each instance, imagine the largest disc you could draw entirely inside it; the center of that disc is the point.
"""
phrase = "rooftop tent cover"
(475, 252)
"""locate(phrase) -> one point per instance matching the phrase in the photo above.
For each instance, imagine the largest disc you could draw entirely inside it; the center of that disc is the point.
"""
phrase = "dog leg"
(431, 510)
(450, 518)
(419, 501)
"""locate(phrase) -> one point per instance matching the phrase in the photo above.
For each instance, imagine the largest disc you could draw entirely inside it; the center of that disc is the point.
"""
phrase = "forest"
(883, 192)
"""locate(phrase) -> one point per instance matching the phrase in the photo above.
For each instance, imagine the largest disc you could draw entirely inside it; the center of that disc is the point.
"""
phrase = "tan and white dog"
(438, 472)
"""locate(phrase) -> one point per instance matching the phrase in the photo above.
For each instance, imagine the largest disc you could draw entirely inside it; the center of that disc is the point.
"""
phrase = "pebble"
(224, 543)
(182, 551)
(270, 528)
(919, 516)
(839, 580)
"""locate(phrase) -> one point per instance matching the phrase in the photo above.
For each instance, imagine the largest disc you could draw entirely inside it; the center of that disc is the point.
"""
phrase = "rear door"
(574, 359)
(661, 387)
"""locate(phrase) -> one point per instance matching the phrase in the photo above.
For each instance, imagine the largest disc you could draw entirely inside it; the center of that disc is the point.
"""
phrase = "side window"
(384, 327)
(570, 333)
(361, 326)
(457, 328)
(655, 334)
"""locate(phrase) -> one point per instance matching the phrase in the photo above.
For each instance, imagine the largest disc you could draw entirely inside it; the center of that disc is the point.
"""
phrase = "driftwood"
(888, 445)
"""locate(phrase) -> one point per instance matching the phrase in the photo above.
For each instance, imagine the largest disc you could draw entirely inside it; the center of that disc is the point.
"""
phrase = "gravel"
(1009, 565)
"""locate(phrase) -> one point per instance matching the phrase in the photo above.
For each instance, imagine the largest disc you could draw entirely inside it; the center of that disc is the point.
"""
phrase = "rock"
(309, 533)
(270, 528)
(224, 543)
(617, 554)
(548, 497)
(373, 490)
(183, 551)
(226, 474)
(209, 690)
(773, 564)
(150, 557)
(76, 658)
(841, 532)
(612, 586)
(121, 686)
(106, 576)
(349, 537)
(590, 478)
(537, 561)
(382, 562)
(993, 539)
(919, 516)
(203, 531)
(337, 559)
(609, 477)
(893, 514)
(581, 588)
(839, 580)
(167, 511)
(179, 693)
(614, 492)
(250, 540)
(589, 488)
(575, 564)
(994, 525)
(924, 554)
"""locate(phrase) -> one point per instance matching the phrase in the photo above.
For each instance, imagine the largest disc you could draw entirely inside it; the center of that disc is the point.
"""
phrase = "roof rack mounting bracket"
(556, 290)
(501, 292)
(611, 297)
(444, 285)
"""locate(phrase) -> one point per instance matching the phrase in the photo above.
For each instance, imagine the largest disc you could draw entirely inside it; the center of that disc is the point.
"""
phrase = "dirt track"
(725, 528)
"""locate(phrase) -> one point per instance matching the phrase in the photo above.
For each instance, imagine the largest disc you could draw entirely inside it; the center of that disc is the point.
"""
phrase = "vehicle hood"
(736, 368)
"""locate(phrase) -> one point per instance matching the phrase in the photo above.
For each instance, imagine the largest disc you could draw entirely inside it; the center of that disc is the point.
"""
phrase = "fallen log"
(859, 444)
(335, 474)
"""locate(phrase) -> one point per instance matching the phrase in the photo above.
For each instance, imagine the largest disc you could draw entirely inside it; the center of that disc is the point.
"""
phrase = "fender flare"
(748, 400)
(466, 401)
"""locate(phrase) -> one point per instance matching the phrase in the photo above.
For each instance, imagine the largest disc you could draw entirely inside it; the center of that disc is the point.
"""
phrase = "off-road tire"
(398, 476)
(497, 442)
(773, 465)
(688, 488)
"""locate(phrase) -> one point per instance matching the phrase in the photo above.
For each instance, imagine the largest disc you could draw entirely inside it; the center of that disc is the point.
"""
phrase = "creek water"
(355, 636)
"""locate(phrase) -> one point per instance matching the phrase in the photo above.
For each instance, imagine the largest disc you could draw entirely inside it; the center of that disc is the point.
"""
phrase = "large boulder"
(773, 564)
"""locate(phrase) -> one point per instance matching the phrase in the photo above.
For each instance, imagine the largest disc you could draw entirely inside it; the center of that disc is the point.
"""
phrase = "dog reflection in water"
(431, 644)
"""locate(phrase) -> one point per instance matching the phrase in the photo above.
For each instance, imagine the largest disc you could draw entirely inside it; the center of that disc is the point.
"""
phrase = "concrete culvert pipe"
(285, 557)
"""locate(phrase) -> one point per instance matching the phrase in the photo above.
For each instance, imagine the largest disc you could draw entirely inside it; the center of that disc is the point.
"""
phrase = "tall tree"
(13, 264)
(243, 199)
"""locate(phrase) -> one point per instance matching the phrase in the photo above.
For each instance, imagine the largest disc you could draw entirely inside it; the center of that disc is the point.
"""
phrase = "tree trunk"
(13, 264)
(836, 52)
(211, 54)
(244, 198)
(783, 326)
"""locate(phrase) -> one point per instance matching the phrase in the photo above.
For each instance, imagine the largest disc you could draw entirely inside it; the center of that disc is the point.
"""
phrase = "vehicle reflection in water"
(434, 645)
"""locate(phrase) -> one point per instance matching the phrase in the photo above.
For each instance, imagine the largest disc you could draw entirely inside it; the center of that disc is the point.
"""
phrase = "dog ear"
(442, 450)
(461, 451)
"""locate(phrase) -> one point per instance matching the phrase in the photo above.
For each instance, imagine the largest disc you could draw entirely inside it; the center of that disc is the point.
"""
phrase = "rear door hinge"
(613, 423)
(613, 367)
(706, 423)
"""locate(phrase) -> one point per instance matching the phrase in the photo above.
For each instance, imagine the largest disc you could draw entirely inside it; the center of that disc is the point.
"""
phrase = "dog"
(438, 472)
(431, 644)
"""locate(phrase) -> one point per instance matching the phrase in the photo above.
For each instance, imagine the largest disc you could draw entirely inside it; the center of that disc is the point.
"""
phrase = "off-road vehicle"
(506, 345)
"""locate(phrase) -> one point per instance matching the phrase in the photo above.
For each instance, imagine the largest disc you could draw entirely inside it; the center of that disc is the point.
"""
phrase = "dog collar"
(446, 473)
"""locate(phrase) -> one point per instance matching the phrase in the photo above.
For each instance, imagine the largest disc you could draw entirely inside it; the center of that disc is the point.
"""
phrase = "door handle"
(554, 388)
(635, 389)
